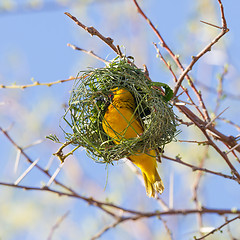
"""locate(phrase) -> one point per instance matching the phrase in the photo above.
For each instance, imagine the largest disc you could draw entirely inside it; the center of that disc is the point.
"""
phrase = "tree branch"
(36, 83)
(176, 60)
(92, 31)
(217, 229)
(195, 168)
(91, 53)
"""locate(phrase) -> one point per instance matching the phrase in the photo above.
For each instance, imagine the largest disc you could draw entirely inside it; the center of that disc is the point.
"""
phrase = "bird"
(120, 122)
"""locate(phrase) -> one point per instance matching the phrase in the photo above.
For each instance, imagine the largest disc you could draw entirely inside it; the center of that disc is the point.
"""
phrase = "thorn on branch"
(88, 52)
(210, 24)
(119, 51)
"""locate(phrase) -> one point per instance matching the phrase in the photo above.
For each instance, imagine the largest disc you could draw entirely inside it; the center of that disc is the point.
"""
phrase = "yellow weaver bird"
(121, 123)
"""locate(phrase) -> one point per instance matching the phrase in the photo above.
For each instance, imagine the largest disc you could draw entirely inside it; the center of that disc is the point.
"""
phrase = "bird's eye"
(110, 97)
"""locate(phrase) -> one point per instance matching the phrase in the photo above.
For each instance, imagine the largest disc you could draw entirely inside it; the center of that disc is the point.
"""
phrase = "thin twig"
(195, 168)
(106, 228)
(36, 83)
(220, 89)
(217, 229)
(230, 122)
(205, 50)
(228, 230)
(138, 214)
(224, 22)
(60, 154)
(216, 117)
(231, 149)
(165, 62)
(214, 90)
(176, 60)
(92, 31)
(139, 175)
(30, 161)
(175, 79)
(230, 141)
(194, 141)
(223, 155)
(196, 185)
(210, 24)
(169, 233)
(196, 58)
(88, 52)
(39, 141)
(57, 224)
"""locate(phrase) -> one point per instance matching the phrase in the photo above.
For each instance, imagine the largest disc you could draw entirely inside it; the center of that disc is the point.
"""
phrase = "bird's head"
(117, 97)
(121, 94)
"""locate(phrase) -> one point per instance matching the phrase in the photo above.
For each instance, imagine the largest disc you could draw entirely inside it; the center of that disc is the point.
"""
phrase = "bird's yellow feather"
(121, 123)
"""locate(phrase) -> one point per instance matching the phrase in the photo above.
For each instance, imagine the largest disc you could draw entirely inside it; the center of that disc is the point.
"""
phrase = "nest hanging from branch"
(87, 107)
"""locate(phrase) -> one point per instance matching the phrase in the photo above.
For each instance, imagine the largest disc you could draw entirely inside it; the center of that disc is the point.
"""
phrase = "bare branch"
(92, 31)
(196, 185)
(175, 78)
(214, 90)
(217, 229)
(224, 22)
(233, 148)
(61, 156)
(137, 172)
(187, 106)
(194, 141)
(31, 162)
(57, 224)
(201, 125)
(228, 140)
(230, 122)
(165, 62)
(210, 24)
(169, 233)
(216, 117)
(36, 83)
(105, 229)
(137, 214)
(88, 52)
(204, 51)
(177, 61)
(195, 168)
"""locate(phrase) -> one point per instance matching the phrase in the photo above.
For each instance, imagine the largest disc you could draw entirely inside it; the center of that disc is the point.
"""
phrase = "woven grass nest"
(87, 108)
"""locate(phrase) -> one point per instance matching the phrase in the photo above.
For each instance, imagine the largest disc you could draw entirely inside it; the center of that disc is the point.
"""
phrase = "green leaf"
(168, 90)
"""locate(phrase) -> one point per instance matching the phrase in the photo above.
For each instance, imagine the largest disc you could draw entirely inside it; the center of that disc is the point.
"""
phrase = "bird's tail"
(153, 185)
(148, 165)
